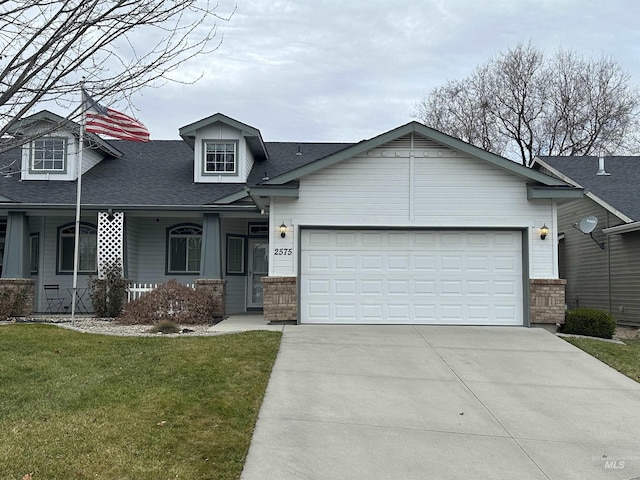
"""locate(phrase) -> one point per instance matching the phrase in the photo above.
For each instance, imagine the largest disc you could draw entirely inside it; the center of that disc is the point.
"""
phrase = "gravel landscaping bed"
(107, 326)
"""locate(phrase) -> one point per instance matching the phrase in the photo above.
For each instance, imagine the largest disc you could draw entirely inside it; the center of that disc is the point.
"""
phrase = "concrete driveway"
(432, 402)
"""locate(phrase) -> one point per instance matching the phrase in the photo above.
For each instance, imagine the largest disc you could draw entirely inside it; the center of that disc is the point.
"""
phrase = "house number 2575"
(283, 251)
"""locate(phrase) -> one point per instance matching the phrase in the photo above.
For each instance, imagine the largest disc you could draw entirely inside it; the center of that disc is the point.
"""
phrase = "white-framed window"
(258, 229)
(87, 248)
(220, 157)
(184, 245)
(235, 255)
(49, 154)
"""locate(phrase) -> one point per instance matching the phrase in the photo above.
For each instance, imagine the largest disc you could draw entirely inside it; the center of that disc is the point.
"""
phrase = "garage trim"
(524, 235)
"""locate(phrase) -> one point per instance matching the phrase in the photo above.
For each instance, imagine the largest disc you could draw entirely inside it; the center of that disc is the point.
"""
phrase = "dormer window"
(220, 157)
(49, 155)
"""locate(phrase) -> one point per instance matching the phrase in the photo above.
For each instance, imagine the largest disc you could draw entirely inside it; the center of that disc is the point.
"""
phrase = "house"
(412, 226)
(599, 234)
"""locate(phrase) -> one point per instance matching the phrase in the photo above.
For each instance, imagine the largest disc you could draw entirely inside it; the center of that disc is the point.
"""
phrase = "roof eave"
(621, 229)
(540, 192)
(121, 207)
(59, 122)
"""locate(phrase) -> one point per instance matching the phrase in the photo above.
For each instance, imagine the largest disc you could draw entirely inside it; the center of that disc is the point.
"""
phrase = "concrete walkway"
(431, 402)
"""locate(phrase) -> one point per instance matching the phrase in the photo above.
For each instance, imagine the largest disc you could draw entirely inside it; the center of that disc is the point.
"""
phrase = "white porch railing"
(136, 290)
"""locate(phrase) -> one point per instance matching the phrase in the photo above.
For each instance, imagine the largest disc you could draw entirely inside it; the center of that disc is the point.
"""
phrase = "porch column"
(15, 263)
(210, 260)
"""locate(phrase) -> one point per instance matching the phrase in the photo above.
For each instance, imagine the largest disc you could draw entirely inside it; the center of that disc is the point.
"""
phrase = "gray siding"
(604, 279)
(151, 238)
(625, 278)
(132, 234)
(49, 257)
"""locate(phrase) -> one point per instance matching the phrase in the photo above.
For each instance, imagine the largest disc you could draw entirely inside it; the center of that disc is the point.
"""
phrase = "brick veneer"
(18, 284)
(280, 299)
(547, 300)
(216, 287)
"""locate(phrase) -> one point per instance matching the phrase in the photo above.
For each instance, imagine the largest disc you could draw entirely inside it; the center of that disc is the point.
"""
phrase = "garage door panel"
(411, 277)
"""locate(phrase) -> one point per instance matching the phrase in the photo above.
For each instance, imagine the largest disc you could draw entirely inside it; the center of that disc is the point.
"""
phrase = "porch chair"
(55, 303)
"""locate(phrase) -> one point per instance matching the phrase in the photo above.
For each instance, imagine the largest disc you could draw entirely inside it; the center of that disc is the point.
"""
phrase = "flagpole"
(76, 242)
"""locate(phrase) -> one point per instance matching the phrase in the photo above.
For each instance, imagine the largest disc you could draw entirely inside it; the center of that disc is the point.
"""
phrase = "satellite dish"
(588, 224)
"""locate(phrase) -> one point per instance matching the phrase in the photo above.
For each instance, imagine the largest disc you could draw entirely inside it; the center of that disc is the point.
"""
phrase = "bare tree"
(521, 104)
(115, 46)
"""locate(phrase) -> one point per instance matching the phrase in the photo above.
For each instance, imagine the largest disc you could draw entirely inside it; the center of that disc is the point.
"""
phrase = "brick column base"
(280, 296)
(10, 287)
(216, 288)
(547, 300)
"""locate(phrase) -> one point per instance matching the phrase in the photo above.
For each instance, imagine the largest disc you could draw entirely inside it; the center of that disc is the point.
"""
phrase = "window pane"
(220, 157)
(87, 249)
(48, 154)
(34, 253)
(178, 254)
(88, 253)
(66, 254)
(235, 255)
(195, 245)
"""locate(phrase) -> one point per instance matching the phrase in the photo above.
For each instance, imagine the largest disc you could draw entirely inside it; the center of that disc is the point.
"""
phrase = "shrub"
(171, 301)
(12, 302)
(165, 326)
(590, 322)
(108, 293)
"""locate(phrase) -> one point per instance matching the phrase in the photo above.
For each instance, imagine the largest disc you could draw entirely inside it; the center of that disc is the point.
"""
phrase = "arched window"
(88, 249)
(184, 246)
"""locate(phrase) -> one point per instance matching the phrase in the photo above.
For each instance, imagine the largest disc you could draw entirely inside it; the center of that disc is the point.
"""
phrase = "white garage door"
(421, 277)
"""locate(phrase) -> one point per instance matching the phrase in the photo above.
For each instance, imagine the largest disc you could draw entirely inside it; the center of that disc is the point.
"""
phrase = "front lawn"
(79, 406)
(624, 358)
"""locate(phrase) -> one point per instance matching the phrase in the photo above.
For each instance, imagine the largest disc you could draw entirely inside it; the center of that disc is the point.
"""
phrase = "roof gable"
(252, 135)
(436, 136)
(20, 127)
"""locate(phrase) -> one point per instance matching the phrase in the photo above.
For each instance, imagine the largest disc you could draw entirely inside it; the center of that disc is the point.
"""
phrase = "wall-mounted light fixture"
(544, 231)
(283, 230)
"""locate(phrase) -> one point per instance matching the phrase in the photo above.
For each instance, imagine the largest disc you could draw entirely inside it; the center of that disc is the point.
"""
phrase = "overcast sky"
(348, 70)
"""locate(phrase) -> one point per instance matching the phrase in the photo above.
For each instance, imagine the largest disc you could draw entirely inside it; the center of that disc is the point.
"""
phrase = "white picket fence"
(136, 290)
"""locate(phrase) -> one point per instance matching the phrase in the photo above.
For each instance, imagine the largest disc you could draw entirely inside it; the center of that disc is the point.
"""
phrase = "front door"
(258, 267)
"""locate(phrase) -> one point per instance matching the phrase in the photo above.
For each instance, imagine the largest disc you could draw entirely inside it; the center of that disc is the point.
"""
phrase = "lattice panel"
(110, 239)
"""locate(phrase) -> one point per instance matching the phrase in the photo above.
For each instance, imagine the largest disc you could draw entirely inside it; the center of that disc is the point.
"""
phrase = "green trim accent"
(211, 254)
(526, 284)
(536, 192)
(251, 134)
(415, 127)
(275, 191)
(15, 263)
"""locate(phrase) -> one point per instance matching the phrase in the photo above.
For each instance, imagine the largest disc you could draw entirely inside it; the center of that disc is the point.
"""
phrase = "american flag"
(106, 121)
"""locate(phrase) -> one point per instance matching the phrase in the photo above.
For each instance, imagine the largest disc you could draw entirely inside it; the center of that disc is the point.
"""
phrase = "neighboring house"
(604, 271)
(411, 226)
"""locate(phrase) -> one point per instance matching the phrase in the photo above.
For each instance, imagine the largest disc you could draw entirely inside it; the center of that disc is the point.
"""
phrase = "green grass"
(624, 358)
(79, 406)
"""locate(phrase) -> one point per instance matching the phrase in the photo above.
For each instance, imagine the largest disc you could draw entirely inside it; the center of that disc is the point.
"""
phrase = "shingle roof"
(157, 173)
(620, 189)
